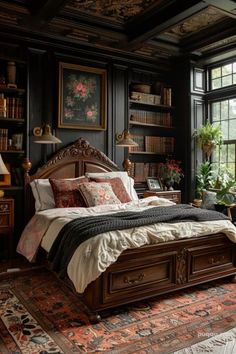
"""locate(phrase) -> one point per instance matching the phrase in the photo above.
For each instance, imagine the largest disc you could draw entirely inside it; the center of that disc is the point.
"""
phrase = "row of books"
(3, 139)
(140, 171)
(158, 118)
(11, 107)
(156, 144)
(166, 96)
(15, 143)
(15, 107)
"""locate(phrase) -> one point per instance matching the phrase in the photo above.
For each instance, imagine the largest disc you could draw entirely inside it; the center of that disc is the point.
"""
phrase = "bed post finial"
(26, 165)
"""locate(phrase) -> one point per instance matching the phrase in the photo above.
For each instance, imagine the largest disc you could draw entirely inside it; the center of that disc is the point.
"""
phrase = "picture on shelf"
(154, 184)
(17, 141)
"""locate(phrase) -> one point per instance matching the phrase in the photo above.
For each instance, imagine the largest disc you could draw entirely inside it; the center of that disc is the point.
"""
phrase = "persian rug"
(38, 316)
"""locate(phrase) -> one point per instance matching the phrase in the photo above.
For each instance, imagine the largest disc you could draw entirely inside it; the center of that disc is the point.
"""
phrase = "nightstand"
(7, 222)
(174, 196)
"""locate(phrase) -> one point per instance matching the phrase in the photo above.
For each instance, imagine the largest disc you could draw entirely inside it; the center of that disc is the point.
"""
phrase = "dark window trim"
(214, 66)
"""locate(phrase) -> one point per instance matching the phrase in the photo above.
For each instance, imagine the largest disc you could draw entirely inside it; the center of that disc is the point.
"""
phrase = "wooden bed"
(143, 272)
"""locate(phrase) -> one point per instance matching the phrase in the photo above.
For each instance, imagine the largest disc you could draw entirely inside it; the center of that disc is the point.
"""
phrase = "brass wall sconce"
(124, 140)
(44, 135)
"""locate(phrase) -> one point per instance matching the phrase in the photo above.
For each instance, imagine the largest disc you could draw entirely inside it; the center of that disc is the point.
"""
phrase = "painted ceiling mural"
(197, 22)
(153, 29)
(117, 9)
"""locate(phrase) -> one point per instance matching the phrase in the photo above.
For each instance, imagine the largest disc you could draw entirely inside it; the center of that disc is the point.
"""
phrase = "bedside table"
(7, 222)
(174, 196)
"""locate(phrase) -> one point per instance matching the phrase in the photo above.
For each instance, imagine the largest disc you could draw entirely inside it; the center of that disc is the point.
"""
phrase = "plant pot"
(208, 148)
(169, 183)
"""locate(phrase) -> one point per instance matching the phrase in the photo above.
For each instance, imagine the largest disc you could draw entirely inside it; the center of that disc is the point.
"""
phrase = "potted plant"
(203, 180)
(225, 195)
(208, 137)
(170, 173)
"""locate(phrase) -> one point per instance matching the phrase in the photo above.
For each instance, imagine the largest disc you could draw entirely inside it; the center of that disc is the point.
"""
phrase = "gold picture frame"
(82, 97)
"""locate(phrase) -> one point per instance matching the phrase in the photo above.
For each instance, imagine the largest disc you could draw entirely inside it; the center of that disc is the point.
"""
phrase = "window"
(221, 99)
(223, 76)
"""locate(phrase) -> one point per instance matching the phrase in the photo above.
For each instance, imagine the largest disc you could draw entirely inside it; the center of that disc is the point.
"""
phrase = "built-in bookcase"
(151, 117)
(13, 117)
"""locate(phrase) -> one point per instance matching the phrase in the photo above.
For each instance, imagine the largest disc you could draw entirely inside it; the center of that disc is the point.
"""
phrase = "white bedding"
(93, 256)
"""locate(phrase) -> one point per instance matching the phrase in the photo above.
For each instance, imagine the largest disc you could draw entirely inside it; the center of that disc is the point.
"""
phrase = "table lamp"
(124, 140)
(3, 171)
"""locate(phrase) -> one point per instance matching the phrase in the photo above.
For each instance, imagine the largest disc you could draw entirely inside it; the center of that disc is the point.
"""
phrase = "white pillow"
(123, 175)
(43, 194)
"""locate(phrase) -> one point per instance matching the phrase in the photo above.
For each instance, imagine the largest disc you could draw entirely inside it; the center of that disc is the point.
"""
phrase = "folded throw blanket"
(81, 229)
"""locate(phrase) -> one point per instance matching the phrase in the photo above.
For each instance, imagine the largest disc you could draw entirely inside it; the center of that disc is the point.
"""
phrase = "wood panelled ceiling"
(154, 29)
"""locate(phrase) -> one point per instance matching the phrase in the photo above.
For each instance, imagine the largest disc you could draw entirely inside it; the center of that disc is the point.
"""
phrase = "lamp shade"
(3, 169)
(124, 139)
(45, 136)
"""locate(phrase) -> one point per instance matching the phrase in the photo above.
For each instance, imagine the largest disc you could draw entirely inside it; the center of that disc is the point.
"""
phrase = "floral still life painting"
(82, 97)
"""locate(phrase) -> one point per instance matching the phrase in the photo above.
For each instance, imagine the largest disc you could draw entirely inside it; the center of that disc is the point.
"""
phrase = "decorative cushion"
(117, 186)
(66, 192)
(43, 194)
(98, 193)
(208, 200)
(123, 175)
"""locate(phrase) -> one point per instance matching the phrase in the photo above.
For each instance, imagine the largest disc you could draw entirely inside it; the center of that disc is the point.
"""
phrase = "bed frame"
(146, 271)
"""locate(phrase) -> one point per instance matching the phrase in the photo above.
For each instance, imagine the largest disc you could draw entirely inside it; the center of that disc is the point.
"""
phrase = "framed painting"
(82, 97)
(154, 184)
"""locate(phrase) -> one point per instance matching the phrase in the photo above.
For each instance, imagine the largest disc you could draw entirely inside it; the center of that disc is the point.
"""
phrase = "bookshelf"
(13, 93)
(151, 126)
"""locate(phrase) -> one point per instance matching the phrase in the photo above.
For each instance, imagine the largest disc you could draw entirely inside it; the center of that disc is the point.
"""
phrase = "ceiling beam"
(219, 32)
(159, 20)
(45, 10)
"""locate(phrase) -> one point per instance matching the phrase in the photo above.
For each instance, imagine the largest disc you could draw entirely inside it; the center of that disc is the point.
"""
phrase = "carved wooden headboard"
(72, 161)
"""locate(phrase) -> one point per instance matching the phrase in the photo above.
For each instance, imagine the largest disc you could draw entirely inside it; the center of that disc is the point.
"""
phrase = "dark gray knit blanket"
(79, 230)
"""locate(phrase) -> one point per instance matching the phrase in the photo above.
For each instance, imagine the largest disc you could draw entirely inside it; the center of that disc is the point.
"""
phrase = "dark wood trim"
(46, 9)
(141, 29)
(62, 44)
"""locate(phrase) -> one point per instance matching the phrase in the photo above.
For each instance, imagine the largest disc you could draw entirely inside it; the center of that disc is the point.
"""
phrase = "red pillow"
(117, 186)
(66, 192)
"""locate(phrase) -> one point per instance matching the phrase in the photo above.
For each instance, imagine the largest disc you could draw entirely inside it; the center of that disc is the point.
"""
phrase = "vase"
(169, 184)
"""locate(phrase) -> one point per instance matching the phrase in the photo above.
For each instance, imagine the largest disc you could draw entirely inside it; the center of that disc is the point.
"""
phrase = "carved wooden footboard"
(158, 269)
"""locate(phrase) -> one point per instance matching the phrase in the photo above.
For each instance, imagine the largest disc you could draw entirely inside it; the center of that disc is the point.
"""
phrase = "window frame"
(219, 94)
(209, 75)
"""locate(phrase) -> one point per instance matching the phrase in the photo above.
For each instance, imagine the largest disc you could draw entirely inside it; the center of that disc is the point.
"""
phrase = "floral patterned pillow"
(66, 192)
(98, 193)
(117, 186)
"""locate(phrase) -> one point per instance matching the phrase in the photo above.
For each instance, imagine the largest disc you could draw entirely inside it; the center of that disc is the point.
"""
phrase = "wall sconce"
(124, 140)
(44, 135)
(3, 171)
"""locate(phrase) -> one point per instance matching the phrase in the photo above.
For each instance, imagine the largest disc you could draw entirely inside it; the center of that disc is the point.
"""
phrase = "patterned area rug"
(37, 315)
